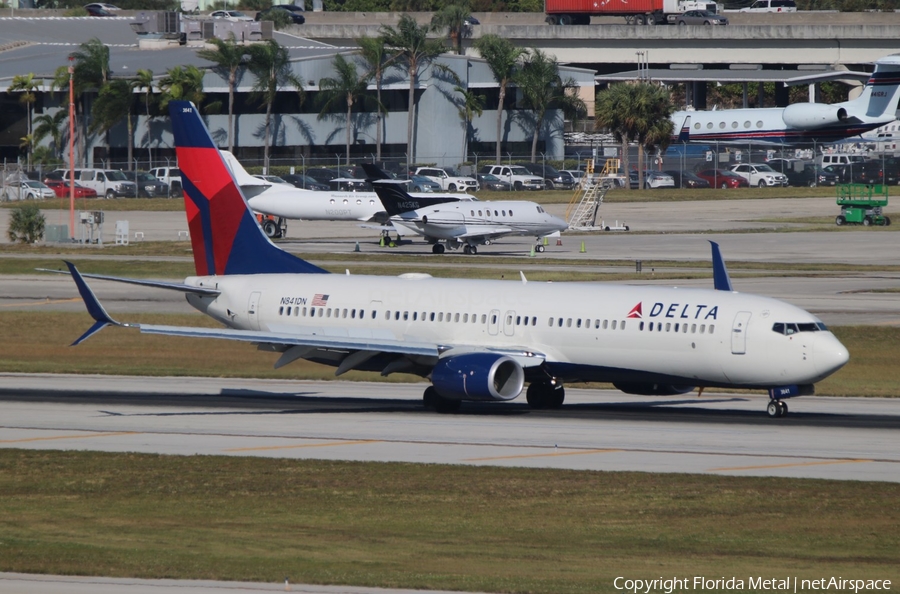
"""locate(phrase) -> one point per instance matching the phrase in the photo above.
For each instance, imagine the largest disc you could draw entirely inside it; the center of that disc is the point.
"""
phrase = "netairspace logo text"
(786, 584)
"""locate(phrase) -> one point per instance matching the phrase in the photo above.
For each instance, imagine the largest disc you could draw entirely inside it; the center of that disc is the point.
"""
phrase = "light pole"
(71, 150)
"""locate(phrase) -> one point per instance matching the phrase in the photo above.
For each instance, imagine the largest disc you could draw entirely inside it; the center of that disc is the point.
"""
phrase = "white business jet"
(464, 224)
(800, 123)
(473, 339)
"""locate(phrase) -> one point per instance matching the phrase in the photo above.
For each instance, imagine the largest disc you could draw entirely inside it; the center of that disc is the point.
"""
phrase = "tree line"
(114, 98)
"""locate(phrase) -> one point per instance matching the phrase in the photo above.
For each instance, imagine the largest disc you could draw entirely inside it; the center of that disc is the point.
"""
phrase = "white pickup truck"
(449, 183)
(516, 176)
(171, 176)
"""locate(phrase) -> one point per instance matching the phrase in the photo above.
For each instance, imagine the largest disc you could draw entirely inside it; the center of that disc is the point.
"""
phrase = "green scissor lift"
(862, 204)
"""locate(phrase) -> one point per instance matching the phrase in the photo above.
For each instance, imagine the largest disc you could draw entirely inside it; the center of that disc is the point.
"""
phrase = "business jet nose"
(830, 355)
(558, 223)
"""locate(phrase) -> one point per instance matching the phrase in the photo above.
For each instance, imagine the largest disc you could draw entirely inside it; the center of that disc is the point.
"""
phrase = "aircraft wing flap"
(378, 344)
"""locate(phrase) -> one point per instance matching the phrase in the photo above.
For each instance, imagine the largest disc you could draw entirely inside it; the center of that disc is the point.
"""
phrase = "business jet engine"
(648, 389)
(478, 376)
(808, 116)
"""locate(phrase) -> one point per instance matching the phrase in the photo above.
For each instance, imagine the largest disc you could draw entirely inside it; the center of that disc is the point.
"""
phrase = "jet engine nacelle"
(807, 116)
(648, 389)
(478, 376)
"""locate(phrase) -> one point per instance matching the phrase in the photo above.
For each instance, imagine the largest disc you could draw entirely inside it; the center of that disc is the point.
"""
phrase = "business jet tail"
(879, 98)
(225, 237)
(684, 135)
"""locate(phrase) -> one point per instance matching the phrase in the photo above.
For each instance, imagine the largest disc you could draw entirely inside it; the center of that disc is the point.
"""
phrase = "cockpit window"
(788, 329)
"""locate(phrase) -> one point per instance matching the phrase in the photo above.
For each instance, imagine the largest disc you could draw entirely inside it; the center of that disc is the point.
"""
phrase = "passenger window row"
(683, 328)
(487, 212)
(586, 323)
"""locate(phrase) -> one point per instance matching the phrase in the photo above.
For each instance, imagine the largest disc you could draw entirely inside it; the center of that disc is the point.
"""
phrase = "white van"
(110, 183)
(771, 6)
(840, 159)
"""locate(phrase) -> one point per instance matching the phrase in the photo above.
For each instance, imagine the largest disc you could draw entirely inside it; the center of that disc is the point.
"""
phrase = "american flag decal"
(320, 300)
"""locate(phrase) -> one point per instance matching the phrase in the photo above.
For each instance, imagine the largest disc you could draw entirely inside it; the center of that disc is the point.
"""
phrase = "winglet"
(102, 319)
(721, 280)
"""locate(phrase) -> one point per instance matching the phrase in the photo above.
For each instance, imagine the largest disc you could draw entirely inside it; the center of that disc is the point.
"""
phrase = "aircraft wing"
(488, 232)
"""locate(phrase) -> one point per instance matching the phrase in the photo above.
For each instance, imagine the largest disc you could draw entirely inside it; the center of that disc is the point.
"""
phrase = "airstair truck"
(636, 12)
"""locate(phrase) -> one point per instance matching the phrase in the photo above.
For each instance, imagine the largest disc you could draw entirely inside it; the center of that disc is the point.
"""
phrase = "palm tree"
(26, 85)
(143, 82)
(346, 87)
(228, 58)
(51, 125)
(270, 64)
(113, 104)
(184, 83)
(91, 72)
(373, 52)
(502, 58)
(413, 48)
(472, 105)
(630, 112)
(543, 89)
(454, 18)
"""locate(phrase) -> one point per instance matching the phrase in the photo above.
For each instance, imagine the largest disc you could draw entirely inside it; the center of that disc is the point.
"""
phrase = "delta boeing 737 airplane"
(800, 123)
(479, 340)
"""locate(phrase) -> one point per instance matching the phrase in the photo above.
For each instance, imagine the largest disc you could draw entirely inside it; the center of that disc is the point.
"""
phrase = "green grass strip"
(429, 526)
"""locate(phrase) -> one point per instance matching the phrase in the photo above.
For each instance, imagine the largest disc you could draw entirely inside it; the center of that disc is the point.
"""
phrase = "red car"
(62, 189)
(722, 178)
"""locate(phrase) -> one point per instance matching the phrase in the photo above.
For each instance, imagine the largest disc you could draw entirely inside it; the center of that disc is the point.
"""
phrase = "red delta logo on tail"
(636, 311)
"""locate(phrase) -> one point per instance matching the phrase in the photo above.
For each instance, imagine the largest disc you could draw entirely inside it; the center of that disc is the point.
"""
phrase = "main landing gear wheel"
(437, 249)
(777, 409)
(545, 395)
(539, 248)
(270, 229)
(470, 249)
(431, 399)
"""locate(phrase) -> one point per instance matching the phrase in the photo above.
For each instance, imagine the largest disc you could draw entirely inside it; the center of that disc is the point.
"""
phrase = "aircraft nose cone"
(560, 224)
(830, 355)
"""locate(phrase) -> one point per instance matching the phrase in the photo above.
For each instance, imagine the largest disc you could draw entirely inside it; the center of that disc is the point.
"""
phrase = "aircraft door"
(494, 322)
(253, 309)
(509, 323)
(739, 333)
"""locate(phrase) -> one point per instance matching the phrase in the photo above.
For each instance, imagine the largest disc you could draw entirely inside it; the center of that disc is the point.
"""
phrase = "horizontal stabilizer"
(101, 318)
(144, 283)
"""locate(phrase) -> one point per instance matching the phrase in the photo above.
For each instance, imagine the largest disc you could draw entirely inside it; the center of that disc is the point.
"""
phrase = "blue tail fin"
(225, 237)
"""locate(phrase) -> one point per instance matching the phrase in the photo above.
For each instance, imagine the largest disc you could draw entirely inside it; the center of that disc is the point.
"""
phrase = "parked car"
(553, 179)
(273, 179)
(103, 6)
(109, 183)
(687, 179)
(448, 180)
(652, 179)
(576, 174)
(305, 182)
(843, 174)
(149, 186)
(229, 15)
(804, 173)
(297, 18)
(28, 189)
(771, 6)
(337, 180)
(493, 183)
(61, 189)
(873, 172)
(170, 176)
(760, 175)
(420, 183)
(96, 10)
(701, 17)
(722, 178)
(516, 175)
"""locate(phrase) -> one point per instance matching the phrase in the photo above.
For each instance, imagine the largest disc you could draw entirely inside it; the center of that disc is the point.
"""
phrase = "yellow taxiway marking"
(44, 302)
(27, 439)
(766, 466)
(307, 445)
(576, 453)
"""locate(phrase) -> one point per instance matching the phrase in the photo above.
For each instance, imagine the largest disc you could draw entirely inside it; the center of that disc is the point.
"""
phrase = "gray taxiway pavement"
(721, 434)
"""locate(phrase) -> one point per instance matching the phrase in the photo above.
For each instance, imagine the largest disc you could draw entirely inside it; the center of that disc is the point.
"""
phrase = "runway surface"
(721, 434)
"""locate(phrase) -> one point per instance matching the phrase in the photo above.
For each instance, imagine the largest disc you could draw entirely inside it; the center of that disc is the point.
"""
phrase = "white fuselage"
(493, 219)
(580, 331)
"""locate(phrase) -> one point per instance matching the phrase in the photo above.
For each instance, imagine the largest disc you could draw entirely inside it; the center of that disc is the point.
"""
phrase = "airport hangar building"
(300, 136)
